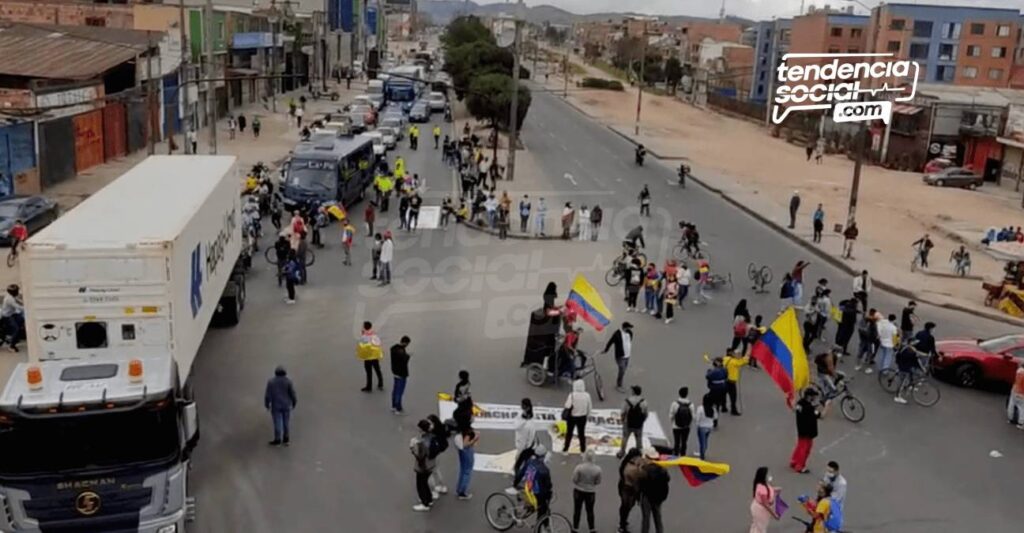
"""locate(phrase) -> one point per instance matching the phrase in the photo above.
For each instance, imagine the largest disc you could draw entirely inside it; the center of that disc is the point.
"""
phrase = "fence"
(17, 154)
(747, 108)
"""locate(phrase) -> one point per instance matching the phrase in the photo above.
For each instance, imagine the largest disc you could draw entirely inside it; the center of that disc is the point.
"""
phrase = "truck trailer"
(98, 427)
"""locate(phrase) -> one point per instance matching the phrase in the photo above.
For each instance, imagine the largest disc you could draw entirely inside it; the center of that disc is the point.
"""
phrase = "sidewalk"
(759, 173)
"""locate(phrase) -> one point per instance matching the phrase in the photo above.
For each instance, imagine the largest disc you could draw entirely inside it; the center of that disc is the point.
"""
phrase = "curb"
(832, 260)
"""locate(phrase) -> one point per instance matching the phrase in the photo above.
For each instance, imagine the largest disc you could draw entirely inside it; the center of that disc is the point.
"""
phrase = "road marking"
(571, 179)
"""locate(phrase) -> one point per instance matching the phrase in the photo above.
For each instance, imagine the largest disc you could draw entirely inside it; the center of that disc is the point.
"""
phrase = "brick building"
(693, 33)
(68, 13)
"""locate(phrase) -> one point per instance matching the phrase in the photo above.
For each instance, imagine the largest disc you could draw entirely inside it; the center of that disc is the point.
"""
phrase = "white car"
(390, 136)
(364, 99)
(378, 142)
(437, 101)
(396, 122)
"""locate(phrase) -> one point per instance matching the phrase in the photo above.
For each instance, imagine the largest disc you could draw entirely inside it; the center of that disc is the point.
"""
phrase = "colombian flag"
(781, 351)
(695, 471)
(583, 299)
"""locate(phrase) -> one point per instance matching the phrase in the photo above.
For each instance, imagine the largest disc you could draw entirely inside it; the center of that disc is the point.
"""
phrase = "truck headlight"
(173, 528)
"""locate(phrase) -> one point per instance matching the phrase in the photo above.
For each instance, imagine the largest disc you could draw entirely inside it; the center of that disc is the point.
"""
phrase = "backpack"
(635, 276)
(834, 520)
(291, 271)
(655, 483)
(437, 446)
(635, 415)
(684, 417)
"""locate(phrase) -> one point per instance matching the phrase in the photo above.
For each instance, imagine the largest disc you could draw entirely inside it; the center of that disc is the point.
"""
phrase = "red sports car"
(972, 362)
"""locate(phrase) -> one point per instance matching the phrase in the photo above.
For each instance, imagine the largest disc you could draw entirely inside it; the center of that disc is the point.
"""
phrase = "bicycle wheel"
(642, 258)
(536, 374)
(852, 408)
(766, 275)
(598, 384)
(889, 380)
(310, 257)
(752, 272)
(555, 523)
(500, 511)
(271, 255)
(612, 277)
(679, 252)
(925, 393)
(12, 258)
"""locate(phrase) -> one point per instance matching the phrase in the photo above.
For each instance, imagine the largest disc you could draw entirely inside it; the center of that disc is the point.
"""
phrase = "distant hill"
(443, 11)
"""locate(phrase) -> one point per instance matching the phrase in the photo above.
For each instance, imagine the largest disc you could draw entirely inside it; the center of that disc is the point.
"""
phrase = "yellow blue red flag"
(781, 353)
(587, 303)
(696, 471)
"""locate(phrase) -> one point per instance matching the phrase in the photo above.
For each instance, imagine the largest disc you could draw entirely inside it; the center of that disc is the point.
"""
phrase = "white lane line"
(571, 179)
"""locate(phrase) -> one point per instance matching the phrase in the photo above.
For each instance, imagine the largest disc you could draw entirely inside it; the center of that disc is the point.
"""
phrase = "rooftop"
(67, 52)
(980, 96)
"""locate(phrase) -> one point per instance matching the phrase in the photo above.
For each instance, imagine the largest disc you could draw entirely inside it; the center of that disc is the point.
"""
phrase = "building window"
(894, 47)
(951, 30)
(947, 52)
(995, 73)
(897, 24)
(853, 50)
(761, 76)
(977, 28)
(969, 72)
(945, 73)
(837, 32)
(1003, 30)
(922, 28)
(919, 51)
(855, 33)
(95, 21)
(973, 50)
(998, 51)
(833, 49)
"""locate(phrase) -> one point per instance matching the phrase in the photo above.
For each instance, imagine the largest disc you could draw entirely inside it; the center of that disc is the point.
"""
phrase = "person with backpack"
(634, 414)
(440, 432)
(681, 413)
(630, 472)
(653, 492)
(526, 440)
(585, 479)
(707, 419)
(292, 273)
(577, 408)
(537, 484)
(825, 516)
(423, 465)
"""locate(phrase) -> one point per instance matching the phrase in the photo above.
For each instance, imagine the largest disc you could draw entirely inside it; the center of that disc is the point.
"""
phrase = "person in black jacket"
(400, 369)
(807, 415)
(279, 398)
(622, 341)
(653, 492)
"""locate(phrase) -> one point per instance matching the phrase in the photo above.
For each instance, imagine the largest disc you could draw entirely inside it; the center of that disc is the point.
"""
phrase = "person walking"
(232, 125)
(241, 123)
(596, 215)
(465, 441)
(887, 334)
(423, 465)
(193, 141)
(369, 351)
(1015, 407)
(867, 336)
(348, 233)
(634, 415)
(415, 202)
(908, 318)
(681, 413)
(577, 408)
(437, 136)
(707, 419)
(280, 399)
(463, 398)
(256, 127)
(387, 254)
(818, 220)
(378, 243)
(400, 370)
(762, 507)
(524, 213)
(794, 206)
(622, 341)
(807, 415)
(635, 278)
(819, 150)
(733, 366)
(525, 440)
(585, 479)
(630, 473)
(645, 201)
(850, 235)
(653, 492)
(292, 274)
(369, 216)
(542, 213)
(862, 288)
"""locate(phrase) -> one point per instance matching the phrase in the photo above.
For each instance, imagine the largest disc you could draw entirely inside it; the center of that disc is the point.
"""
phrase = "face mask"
(830, 475)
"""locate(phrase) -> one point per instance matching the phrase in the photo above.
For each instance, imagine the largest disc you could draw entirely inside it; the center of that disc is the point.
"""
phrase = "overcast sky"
(752, 9)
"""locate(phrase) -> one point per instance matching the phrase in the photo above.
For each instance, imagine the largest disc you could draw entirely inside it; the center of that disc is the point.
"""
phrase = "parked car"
(396, 122)
(369, 114)
(954, 177)
(36, 212)
(379, 147)
(972, 362)
(377, 99)
(936, 165)
(357, 120)
(389, 135)
(420, 112)
(437, 101)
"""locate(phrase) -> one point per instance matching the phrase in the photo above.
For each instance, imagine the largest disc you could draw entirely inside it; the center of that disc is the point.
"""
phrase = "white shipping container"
(139, 267)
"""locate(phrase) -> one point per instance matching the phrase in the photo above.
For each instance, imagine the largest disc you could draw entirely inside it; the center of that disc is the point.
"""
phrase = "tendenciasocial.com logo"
(836, 81)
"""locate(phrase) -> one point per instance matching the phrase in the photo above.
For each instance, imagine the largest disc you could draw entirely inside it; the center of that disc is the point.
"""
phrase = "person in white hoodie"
(387, 254)
(578, 406)
(526, 440)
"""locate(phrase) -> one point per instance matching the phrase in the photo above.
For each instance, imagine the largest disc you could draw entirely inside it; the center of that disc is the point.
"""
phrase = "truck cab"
(101, 445)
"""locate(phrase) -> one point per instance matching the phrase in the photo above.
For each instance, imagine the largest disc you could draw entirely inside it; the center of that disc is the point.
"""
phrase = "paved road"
(463, 298)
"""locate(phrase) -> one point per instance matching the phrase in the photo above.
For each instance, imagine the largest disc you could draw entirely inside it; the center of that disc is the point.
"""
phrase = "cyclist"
(18, 234)
(537, 487)
(961, 260)
(635, 236)
(828, 375)
(912, 358)
(923, 246)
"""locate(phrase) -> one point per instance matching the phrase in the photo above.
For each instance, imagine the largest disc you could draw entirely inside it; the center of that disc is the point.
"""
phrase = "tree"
(490, 99)
(673, 73)
(555, 36)
(466, 30)
(652, 70)
(627, 50)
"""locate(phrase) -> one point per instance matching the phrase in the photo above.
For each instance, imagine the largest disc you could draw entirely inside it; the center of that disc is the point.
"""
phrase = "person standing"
(299, 113)
(577, 408)
(465, 441)
(717, 378)
(292, 274)
(596, 214)
(733, 365)
(645, 201)
(1016, 404)
(797, 277)
(387, 254)
(463, 398)
(634, 414)
(568, 214)
(850, 235)
(706, 420)
(762, 507)
(369, 351)
(862, 288)
(622, 341)
(585, 479)
(241, 123)
(630, 473)
(670, 295)
(525, 440)
(280, 399)
(415, 202)
(232, 125)
(437, 136)
(400, 370)
(653, 492)
(584, 223)
(369, 216)
(907, 320)
(193, 141)
(378, 242)
(681, 414)
(540, 483)
(524, 213)
(819, 223)
(423, 465)
(837, 481)
(794, 207)
(542, 213)
(634, 280)
(807, 415)
(348, 233)
(886, 343)
(256, 127)
(867, 335)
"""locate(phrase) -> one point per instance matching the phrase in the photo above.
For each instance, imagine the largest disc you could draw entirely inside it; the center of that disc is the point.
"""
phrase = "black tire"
(967, 375)
(852, 408)
(752, 272)
(12, 258)
(536, 374)
(889, 380)
(642, 258)
(766, 275)
(310, 257)
(612, 277)
(679, 252)
(271, 255)
(555, 523)
(500, 511)
(926, 394)
(940, 183)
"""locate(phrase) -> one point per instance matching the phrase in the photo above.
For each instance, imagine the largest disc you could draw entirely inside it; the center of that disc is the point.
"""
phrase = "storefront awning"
(1010, 142)
(905, 109)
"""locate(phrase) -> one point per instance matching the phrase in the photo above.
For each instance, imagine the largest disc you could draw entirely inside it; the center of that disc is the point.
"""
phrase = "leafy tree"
(466, 30)
(652, 69)
(673, 72)
(627, 50)
(490, 99)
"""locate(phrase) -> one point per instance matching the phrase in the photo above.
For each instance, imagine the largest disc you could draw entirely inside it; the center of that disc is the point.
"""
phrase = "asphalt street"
(464, 297)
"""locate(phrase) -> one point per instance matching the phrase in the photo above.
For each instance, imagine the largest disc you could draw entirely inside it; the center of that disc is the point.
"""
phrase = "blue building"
(772, 39)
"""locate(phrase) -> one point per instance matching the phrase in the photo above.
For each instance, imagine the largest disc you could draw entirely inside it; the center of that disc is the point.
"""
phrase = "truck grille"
(118, 511)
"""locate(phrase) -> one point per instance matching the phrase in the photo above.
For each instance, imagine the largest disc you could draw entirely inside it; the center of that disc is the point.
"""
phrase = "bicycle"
(617, 273)
(717, 281)
(12, 254)
(538, 375)
(503, 514)
(760, 276)
(851, 407)
(271, 256)
(922, 390)
(682, 252)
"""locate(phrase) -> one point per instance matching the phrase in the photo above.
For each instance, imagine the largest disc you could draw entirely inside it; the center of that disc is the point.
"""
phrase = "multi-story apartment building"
(962, 45)
(693, 33)
(771, 41)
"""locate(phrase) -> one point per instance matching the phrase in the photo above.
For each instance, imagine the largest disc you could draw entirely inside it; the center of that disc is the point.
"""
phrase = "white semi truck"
(97, 429)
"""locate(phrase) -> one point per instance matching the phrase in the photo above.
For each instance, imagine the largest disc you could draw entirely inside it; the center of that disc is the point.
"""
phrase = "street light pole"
(211, 91)
(513, 120)
(273, 17)
(640, 84)
(186, 111)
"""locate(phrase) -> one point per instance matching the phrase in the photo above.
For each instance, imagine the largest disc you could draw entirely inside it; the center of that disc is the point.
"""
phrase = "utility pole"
(772, 55)
(640, 84)
(513, 119)
(150, 93)
(858, 162)
(186, 111)
(211, 92)
(274, 18)
(565, 74)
